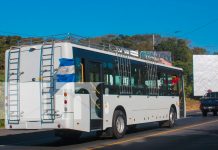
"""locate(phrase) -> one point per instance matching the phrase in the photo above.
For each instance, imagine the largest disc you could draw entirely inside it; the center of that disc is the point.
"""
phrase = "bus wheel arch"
(121, 108)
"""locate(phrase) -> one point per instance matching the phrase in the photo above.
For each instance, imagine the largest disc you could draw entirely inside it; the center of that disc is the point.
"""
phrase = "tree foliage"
(137, 42)
(5, 43)
(199, 51)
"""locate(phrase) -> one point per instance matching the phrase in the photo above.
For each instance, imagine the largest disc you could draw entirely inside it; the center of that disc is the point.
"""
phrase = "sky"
(194, 20)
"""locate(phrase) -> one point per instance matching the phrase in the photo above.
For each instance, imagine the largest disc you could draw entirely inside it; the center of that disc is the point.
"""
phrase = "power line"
(200, 27)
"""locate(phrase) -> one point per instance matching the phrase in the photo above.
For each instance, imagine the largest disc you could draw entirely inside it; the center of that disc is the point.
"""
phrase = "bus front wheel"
(119, 124)
(172, 119)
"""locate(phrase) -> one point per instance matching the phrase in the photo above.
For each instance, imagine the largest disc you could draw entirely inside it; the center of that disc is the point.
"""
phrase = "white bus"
(73, 86)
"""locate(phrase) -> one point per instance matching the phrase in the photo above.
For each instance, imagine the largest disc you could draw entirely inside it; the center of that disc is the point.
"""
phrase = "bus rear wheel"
(118, 124)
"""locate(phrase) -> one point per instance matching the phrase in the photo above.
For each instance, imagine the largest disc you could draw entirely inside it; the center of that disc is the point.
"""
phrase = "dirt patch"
(192, 104)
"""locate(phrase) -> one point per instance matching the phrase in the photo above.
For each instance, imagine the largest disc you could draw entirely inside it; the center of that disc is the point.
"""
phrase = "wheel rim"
(120, 124)
(172, 117)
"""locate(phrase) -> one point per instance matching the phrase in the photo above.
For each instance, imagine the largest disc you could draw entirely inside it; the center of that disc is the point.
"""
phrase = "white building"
(205, 74)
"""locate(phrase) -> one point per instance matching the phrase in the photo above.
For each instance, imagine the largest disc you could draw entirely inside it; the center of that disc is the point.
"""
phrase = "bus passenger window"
(94, 72)
(78, 70)
(162, 84)
(125, 81)
(118, 80)
(173, 85)
(108, 79)
(108, 73)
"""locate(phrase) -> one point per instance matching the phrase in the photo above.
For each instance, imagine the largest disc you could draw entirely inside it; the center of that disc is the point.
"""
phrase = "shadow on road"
(47, 138)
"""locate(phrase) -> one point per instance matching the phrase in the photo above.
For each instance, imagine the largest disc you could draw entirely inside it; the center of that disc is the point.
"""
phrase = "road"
(193, 132)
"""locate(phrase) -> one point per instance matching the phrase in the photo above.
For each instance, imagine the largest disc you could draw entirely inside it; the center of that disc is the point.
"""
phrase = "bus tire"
(172, 118)
(67, 134)
(215, 113)
(118, 124)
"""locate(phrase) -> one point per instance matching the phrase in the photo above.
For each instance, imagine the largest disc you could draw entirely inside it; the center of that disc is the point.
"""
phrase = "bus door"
(93, 77)
(182, 98)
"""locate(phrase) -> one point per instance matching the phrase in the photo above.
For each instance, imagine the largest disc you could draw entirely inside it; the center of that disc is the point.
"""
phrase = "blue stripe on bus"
(66, 62)
(66, 78)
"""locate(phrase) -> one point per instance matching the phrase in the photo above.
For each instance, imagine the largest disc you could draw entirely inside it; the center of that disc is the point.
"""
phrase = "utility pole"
(153, 41)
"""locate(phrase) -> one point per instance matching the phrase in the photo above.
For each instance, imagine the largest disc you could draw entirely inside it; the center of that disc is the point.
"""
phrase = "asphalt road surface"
(193, 132)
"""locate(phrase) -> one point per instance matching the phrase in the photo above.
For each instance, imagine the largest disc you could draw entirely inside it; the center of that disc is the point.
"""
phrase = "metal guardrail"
(75, 39)
(85, 41)
(88, 42)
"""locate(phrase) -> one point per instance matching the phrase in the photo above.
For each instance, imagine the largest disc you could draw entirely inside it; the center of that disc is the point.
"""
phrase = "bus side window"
(78, 70)
(108, 74)
(150, 84)
(173, 85)
(109, 77)
(162, 84)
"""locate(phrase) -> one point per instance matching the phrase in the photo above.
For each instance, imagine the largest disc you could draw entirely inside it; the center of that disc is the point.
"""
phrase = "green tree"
(5, 43)
(199, 51)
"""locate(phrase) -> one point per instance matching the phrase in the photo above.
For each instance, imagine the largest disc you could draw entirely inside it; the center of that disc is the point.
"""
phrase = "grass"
(2, 123)
(192, 104)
